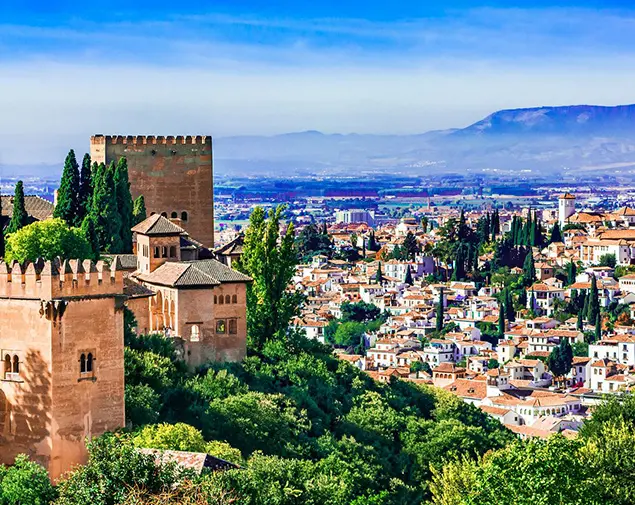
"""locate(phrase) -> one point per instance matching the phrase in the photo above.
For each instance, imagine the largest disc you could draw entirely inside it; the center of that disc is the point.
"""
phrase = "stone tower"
(174, 175)
(566, 208)
(61, 339)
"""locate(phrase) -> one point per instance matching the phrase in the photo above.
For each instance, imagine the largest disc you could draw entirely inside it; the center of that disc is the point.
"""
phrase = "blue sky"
(248, 67)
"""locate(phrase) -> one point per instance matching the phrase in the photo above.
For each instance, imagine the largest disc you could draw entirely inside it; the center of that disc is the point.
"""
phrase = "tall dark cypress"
(598, 328)
(67, 205)
(124, 205)
(139, 210)
(439, 315)
(594, 302)
(501, 321)
(580, 323)
(104, 212)
(19, 218)
(85, 189)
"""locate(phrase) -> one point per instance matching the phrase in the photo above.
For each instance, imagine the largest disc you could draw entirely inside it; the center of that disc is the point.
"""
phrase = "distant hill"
(542, 139)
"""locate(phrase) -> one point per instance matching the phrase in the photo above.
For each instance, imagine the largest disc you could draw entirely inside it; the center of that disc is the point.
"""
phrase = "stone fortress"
(174, 175)
(61, 324)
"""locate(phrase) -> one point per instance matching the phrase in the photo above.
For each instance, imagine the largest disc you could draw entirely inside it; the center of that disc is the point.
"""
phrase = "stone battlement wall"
(47, 280)
(200, 140)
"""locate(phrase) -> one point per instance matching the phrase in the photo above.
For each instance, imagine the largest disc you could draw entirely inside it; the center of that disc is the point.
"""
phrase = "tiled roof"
(196, 461)
(36, 207)
(157, 225)
(126, 261)
(233, 247)
(193, 273)
(133, 289)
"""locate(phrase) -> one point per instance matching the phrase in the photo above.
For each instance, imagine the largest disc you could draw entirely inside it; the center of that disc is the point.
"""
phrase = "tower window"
(16, 364)
(7, 367)
(221, 326)
(234, 299)
(87, 366)
(227, 299)
(89, 362)
(183, 216)
(157, 252)
(164, 214)
(194, 334)
(215, 299)
(221, 300)
(174, 215)
(165, 251)
(172, 251)
(233, 327)
(82, 363)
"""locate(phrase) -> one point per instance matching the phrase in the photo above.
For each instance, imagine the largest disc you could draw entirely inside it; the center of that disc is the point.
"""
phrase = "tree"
(598, 328)
(349, 334)
(411, 246)
(510, 313)
(408, 278)
(271, 264)
(580, 349)
(571, 273)
(90, 233)
(47, 239)
(379, 276)
(501, 321)
(312, 241)
(439, 315)
(67, 206)
(124, 204)
(176, 437)
(139, 213)
(593, 310)
(19, 218)
(104, 212)
(360, 312)
(556, 234)
(608, 260)
(25, 482)
(580, 322)
(529, 270)
(561, 358)
(85, 190)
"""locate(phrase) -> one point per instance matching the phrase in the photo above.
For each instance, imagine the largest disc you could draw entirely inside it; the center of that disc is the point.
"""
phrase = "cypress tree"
(527, 231)
(20, 218)
(510, 313)
(571, 272)
(408, 279)
(594, 302)
(585, 304)
(85, 189)
(529, 269)
(580, 324)
(139, 210)
(439, 315)
(501, 321)
(104, 213)
(556, 234)
(537, 238)
(379, 277)
(598, 328)
(88, 228)
(459, 265)
(67, 205)
(124, 204)
(532, 301)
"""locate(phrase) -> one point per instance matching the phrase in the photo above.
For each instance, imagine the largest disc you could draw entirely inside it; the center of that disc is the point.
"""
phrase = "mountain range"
(577, 140)
(583, 138)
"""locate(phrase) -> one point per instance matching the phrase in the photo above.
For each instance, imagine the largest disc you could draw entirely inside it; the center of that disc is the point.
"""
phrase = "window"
(164, 250)
(234, 298)
(16, 364)
(86, 366)
(233, 326)
(221, 300)
(183, 216)
(227, 299)
(157, 252)
(194, 333)
(174, 215)
(164, 214)
(221, 326)
(7, 367)
(89, 362)
(82, 363)
(172, 251)
(215, 299)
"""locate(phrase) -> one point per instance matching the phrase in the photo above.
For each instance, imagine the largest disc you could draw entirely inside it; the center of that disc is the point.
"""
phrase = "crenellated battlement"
(200, 140)
(48, 280)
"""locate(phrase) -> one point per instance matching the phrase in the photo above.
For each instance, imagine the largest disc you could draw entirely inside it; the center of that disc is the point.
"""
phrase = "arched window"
(227, 299)
(234, 299)
(183, 216)
(174, 215)
(82, 363)
(215, 299)
(165, 251)
(7, 365)
(89, 362)
(157, 252)
(152, 213)
(164, 214)
(220, 300)
(16, 364)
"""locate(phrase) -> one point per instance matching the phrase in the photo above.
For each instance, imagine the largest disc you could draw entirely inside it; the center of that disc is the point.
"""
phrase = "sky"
(243, 68)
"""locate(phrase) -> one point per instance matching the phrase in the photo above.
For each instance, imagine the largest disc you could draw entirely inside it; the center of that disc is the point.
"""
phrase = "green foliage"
(408, 277)
(349, 333)
(580, 349)
(176, 437)
(593, 308)
(104, 213)
(114, 468)
(529, 270)
(139, 210)
(271, 265)
(67, 206)
(608, 260)
(571, 273)
(439, 317)
(561, 358)
(379, 276)
(47, 239)
(85, 194)
(25, 482)
(142, 404)
(19, 218)
(90, 233)
(556, 234)
(312, 241)
(360, 312)
(124, 204)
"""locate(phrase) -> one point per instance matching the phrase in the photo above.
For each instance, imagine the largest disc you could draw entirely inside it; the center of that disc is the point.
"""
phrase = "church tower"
(566, 208)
